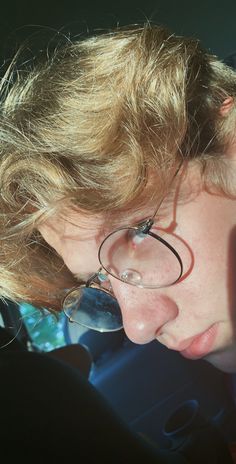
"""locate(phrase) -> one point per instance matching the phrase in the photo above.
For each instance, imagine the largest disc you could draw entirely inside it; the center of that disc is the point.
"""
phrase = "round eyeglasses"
(133, 255)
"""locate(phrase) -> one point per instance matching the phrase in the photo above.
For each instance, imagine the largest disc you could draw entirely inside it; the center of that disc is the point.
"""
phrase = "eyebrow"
(98, 226)
(133, 217)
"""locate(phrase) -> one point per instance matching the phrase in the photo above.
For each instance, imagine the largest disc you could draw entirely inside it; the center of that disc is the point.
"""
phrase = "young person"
(118, 164)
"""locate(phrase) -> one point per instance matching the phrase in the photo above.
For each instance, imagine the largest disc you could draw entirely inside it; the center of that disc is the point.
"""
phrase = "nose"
(145, 312)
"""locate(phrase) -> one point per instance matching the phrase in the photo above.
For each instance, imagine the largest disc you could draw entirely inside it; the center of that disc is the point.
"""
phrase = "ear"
(226, 106)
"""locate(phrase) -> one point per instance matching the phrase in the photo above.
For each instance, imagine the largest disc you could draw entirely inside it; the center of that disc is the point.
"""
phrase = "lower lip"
(202, 344)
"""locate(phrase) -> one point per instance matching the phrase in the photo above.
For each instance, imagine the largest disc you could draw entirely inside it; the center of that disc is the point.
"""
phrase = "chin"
(224, 360)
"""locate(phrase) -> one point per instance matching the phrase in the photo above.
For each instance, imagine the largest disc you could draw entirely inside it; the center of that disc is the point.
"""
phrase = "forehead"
(81, 225)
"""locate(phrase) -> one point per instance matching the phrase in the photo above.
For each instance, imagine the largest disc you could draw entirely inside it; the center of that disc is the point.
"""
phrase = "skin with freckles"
(195, 316)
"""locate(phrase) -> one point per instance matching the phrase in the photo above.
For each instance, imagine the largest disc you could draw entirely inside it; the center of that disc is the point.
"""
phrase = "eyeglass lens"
(139, 259)
(94, 309)
(132, 257)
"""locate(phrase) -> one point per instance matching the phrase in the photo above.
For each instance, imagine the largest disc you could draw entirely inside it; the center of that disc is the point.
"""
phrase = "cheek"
(205, 263)
(207, 290)
(203, 245)
(203, 292)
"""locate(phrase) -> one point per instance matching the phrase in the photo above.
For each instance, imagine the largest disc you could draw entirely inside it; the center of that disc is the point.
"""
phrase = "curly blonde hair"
(85, 126)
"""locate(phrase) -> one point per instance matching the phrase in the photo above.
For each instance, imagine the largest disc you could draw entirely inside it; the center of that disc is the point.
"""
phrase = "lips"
(202, 344)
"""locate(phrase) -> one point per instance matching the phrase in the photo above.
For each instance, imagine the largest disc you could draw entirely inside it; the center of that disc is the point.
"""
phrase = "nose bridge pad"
(132, 276)
(104, 280)
(109, 287)
(116, 287)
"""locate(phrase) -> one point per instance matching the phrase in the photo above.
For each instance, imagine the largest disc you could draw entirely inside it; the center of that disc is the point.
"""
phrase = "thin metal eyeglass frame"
(95, 281)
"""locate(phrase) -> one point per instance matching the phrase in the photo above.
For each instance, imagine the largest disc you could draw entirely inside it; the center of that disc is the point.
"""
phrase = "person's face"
(195, 316)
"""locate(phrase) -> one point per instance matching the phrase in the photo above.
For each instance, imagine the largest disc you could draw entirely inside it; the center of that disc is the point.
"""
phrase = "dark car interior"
(161, 396)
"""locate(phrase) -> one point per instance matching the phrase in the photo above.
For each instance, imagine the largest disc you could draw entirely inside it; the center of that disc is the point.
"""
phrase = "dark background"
(213, 21)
